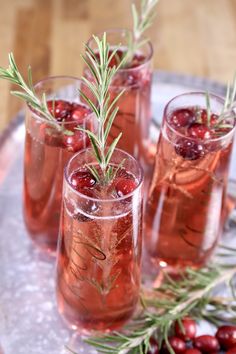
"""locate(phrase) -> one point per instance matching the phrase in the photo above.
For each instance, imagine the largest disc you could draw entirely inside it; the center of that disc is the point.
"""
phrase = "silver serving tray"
(29, 321)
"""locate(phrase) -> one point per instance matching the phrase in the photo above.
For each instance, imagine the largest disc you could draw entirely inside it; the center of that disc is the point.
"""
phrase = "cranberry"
(75, 141)
(189, 329)
(199, 131)
(124, 186)
(59, 108)
(206, 343)
(176, 344)
(226, 336)
(231, 351)
(189, 149)
(137, 60)
(192, 351)
(182, 117)
(79, 113)
(82, 179)
(213, 118)
(153, 349)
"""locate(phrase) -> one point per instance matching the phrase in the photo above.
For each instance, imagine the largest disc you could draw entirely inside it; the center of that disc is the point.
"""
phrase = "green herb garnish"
(142, 20)
(105, 110)
(191, 295)
(228, 107)
(27, 92)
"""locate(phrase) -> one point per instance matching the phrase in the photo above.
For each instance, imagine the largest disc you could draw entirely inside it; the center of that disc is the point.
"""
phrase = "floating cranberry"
(226, 336)
(153, 349)
(137, 60)
(177, 344)
(182, 118)
(206, 344)
(231, 351)
(213, 118)
(59, 108)
(189, 149)
(75, 141)
(199, 131)
(192, 351)
(79, 113)
(82, 179)
(124, 186)
(189, 329)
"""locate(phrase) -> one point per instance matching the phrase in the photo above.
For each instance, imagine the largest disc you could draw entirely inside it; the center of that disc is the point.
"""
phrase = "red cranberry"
(82, 179)
(153, 349)
(206, 344)
(124, 186)
(189, 329)
(189, 149)
(79, 113)
(199, 131)
(192, 351)
(226, 336)
(137, 60)
(59, 108)
(76, 142)
(231, 351)
(213, 118)
(182, 117)
(177, 344)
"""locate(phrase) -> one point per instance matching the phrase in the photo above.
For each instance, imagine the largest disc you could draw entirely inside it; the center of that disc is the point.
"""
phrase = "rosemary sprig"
(191, 295)
(228, 107)
(142, 20)
(105, 111)
(27, 92)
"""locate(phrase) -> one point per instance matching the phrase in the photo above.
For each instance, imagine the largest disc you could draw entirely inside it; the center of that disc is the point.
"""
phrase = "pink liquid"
(47, 150)
(184, 210)
(98, 272)
(134, 115)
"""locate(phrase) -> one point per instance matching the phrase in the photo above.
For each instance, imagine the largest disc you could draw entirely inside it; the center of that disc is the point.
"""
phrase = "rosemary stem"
(223, 278)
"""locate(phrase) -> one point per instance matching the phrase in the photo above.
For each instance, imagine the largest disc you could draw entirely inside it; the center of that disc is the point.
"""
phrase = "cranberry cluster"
(68, 112)
(131, 78)
(185, 341)
(194, 126)
(83, 181)
(72, 115)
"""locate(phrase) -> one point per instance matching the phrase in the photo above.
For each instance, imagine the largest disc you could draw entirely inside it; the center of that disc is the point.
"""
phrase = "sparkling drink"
(48, 147)
(98, 266)
(134, 115)
(187, 194)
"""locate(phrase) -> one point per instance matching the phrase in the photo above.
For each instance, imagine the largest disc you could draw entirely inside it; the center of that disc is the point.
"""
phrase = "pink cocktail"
(98, 266)
(134, 115)
(48, 147)
(184, 215)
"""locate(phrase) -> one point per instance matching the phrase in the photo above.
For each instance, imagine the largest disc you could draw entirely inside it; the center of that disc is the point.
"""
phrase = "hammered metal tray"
(29, 321)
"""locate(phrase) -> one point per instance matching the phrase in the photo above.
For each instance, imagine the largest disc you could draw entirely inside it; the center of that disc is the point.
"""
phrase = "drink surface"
(47, 150)
(187, 192)
(98, 270)
(134, 115)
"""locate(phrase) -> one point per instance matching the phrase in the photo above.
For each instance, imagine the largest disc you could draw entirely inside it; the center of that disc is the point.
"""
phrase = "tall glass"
(99, 249)
(48, 147)
(187, 194)
(134, 116)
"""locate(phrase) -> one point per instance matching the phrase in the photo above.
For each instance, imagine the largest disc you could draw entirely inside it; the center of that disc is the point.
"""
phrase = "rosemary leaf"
(101, 77)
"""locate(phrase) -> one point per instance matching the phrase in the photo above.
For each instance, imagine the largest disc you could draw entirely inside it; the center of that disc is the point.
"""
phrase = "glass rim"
(55, 122)
(197, 93)
(126, 30)
(108, 200)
